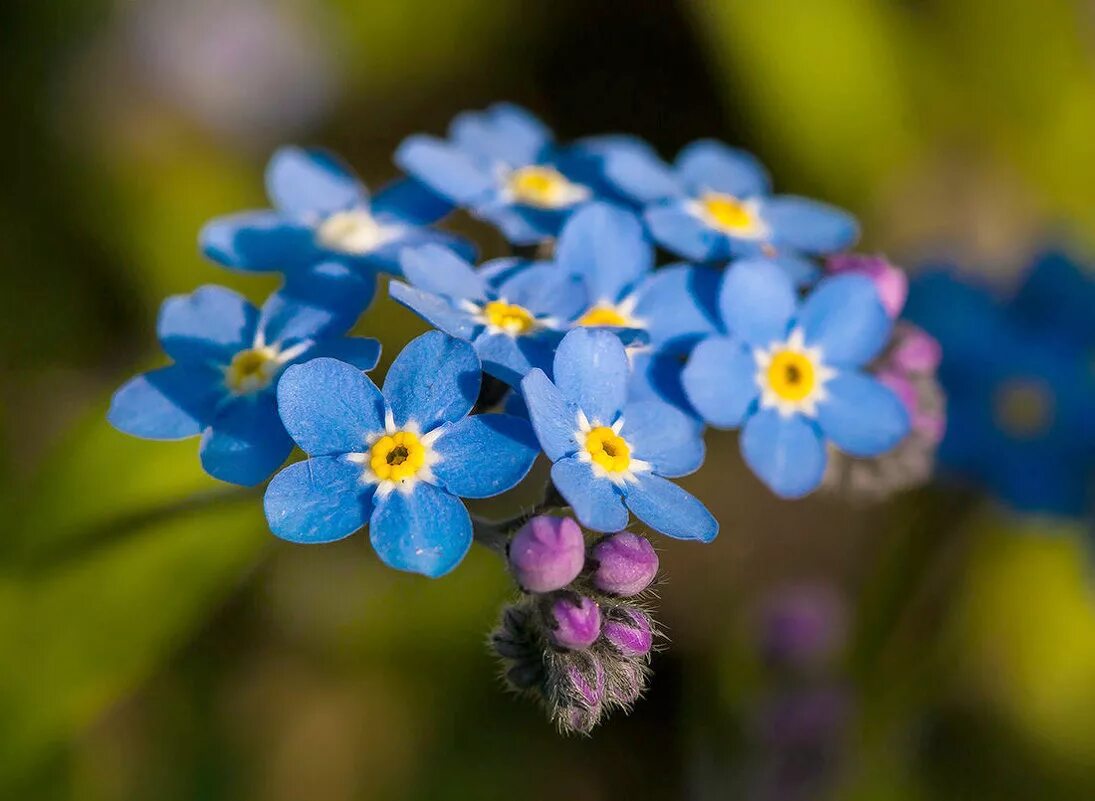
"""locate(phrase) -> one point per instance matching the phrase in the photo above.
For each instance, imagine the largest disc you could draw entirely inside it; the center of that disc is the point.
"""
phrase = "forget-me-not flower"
(322, 212)
(502, 165)
(228, 358)
(715, 203)
(397, 460)
(790, 374)
(609, 454)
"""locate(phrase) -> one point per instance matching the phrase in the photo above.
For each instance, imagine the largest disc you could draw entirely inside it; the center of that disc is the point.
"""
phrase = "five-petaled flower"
(611, 455)
(397, 459)
(715, 203)
(228, 358)
(790, 374)
(501, 164)
(323, 212)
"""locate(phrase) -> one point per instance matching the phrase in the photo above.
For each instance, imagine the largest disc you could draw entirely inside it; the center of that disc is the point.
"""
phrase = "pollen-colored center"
(608, 449)
(791, 375)
(397, 457)
(1023, 408)
(543, 187)
(354, 231)
(251, 370)
(604, 315)
(509, 317)
(728, 213)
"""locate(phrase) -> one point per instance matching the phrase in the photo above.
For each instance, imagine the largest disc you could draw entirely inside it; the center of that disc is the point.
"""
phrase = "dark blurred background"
(159, 643)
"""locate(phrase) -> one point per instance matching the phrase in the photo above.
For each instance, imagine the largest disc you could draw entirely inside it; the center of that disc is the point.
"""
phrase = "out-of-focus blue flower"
(1019, 382)
(397, 460)
(502, 165)
(611, 455)
(514, 317)
(229, 356)
(715, 203)
(789, 374)
(322, 212)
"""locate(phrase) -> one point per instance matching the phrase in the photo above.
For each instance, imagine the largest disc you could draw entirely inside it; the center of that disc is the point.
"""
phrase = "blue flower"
(1020, 390)
(512, 316)
(397, 459)
(609, 454)
(501, 164)
(322, 212)
(228, 358)
(715, 203)
(789, 374)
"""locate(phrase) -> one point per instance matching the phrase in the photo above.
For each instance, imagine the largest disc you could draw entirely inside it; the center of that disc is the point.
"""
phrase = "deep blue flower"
(789, 374)
(715, 203)
(609, 454)
(397, 459)
(501, 164)
(1020, 388)
(228, 358)
(323, 212)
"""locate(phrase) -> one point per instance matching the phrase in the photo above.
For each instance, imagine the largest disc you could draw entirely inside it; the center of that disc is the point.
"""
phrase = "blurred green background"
(159, 643)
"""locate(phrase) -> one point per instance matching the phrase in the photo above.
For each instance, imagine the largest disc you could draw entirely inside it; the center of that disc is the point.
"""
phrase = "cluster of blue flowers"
(588, 348)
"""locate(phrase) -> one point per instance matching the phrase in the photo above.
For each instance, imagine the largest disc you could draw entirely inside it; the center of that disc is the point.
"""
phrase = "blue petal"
(410, 202)
(639, 174)
(845, 318)
(329, 407)
(210, 325)
(521, 225)
(720, 381)
(606, 246)
(324, 300)
(503, 133)
(510, 358)
(386, 258)
(591, 371)
(677, 305)
(664, 436)
(808, 225)
(444, 168)
(439, 271)
(318, 500)
(757, 301)
(170, 403)
(434, 380)
(437, 311)
(710, 165)
(596, 501)
(310, 184)
(786, 453)
(656, 375)
(799, 269)
(677, 229)
(361, 352)
(426, 531)
(246, 441)
(553, 417)
(667, 508)
(545, 290)
(485, 455)
(497, 271)
(260, 241)
(861, 416)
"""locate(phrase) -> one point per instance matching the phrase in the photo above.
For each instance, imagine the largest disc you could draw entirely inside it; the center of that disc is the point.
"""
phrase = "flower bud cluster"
(579, 639)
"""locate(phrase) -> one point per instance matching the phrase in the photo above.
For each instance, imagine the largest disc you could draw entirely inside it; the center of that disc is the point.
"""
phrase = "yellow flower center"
(604, 315)
(608, 449)
(511, 318)
(1023, 408)
(543, 187)
(397, 457)
(728, 213)
(354, 231)
(791, 375)
(251, 370)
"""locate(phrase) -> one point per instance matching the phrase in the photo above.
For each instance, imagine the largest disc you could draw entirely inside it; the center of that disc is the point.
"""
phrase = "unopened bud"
(576, 622)
(626, 564)
(547, 553)
(890, 281)
(629, 631)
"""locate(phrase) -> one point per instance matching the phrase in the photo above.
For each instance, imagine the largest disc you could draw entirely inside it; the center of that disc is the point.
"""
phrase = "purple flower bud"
(914, 350)
(629, 631)
(890, 281)
(803, 626)
(626, 564)
(589, 684)
(577, 622)
(547, 553)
